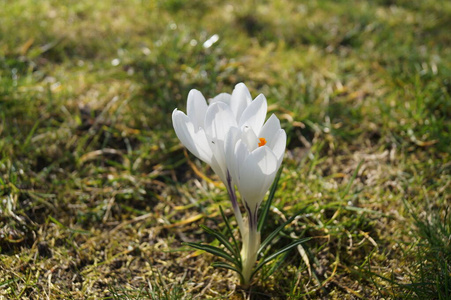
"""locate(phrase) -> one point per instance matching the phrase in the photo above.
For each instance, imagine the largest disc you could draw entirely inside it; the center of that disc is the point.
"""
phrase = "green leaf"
(69, 229)
(278, 229)
(274, 267)
(281, 251)
(215, 251)
(265, 209)
(229, 230)
(223, 240)
(354, 175)
(30, 135)
(227, 266)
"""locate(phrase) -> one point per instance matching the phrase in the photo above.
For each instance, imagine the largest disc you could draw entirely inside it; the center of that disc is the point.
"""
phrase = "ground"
(98, 194)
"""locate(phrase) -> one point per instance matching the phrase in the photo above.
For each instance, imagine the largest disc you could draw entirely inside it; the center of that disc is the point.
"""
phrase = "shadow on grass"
(431, 265)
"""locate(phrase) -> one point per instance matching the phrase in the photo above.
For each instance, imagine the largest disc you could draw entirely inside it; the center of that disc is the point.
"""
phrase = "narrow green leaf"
(227, 266)
(229, 230)
(354, 175)
(275, 267)
(278, 229)
(274, 255)
(7, 282)
(30, 135)
(265, 209)
(67, 228)
(223, 240)
(215, 251)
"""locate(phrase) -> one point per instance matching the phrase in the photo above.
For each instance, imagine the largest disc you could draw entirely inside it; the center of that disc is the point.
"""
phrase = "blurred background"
(97, 194)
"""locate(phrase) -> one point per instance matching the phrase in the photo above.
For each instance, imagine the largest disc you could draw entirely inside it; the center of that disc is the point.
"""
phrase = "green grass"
(97, 194)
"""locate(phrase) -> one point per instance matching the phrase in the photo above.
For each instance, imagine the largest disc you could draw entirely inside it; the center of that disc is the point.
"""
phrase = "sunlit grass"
(97, 194)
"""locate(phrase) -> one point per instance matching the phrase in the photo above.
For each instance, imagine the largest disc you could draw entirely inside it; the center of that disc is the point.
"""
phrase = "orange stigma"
(262, 142)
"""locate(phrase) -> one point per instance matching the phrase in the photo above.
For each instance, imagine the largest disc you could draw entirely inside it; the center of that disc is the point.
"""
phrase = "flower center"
(262, 142)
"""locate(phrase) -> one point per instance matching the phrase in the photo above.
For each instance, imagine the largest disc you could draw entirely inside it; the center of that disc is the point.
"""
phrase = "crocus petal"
(280, 143)
(218, 121)
(231, 162)
(250, 139)
(236, 154)
(223, 97)
(270, 129)
(256, 175)
(219, 167)
(241, 98)
(196, 108)
(254, 115)
(195, 140)
(276, 138)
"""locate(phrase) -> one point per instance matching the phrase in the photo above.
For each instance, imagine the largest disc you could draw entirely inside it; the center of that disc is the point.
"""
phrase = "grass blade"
(281, 251)
(354, 175)
(265, 209)
(274, 268)
(227, 266)
(223, 240)
(275, 232)
(215, 251)
(229, 230)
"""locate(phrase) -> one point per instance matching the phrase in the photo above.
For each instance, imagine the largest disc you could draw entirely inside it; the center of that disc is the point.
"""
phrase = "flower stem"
(236, 208)
(251, 243)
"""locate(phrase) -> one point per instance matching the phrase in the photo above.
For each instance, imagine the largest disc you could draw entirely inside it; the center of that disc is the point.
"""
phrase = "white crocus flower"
(231, 135)
(253, 159)
(204, 129)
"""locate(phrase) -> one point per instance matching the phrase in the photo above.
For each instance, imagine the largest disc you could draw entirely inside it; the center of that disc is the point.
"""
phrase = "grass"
(97, 194)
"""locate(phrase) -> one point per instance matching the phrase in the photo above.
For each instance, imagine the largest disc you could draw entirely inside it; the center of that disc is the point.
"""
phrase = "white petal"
(250, 139)
(233, 157)
(218, 121)
(223, 97)
(254, 115)
(279, 145)
(194, 140)
(270, 129)
(256, 176)
(236, 155)
(219, 167)
(275, 137)
(196, 108)
(241, 98)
